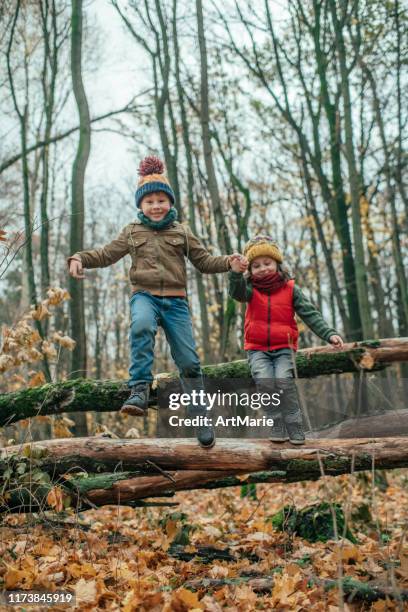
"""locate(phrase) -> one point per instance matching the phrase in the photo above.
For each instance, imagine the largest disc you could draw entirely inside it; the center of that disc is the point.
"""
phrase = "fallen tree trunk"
(152, 455)
(109, 395)
(390, 424)
(352, 588)
(160, 469)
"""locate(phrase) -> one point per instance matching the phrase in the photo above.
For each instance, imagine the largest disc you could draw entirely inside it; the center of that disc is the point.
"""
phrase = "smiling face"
(263, 265)
(155, 205)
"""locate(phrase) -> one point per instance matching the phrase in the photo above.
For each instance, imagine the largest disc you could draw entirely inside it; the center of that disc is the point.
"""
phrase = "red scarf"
(269, 283)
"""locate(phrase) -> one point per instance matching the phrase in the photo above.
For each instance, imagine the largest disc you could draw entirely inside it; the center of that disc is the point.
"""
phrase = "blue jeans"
(272, 371)
(172, 313)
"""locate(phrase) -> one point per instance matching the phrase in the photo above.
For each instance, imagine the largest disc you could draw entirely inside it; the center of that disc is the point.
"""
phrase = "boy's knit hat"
(152, 178)
(262, 245)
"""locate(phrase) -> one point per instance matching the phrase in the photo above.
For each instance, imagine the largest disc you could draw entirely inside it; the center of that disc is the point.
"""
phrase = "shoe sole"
(132, 410)
(207, 445)
(298, 442)
(279, 439)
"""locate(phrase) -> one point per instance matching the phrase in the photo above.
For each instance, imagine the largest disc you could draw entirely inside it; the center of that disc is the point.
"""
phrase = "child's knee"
(141, 326)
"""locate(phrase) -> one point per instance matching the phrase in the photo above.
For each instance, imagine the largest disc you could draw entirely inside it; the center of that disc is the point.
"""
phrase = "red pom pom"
(151, 165)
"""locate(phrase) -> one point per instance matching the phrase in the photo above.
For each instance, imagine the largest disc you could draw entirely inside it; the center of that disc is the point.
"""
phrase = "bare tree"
(79, 360)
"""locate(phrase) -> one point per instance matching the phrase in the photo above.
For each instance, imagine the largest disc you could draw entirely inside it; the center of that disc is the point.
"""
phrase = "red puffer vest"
(270, 320)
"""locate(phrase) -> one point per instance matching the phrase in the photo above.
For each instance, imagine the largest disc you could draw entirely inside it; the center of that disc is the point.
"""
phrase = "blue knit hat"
(152, 178)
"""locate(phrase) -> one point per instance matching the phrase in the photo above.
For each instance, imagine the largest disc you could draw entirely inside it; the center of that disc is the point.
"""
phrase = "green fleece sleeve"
(311, 316)
(238, 288)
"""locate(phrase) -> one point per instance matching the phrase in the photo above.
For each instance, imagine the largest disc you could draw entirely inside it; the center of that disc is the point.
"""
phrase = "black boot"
(205, 433)
(206, 436)
(278, 432)
(137, 402)
(296, 433)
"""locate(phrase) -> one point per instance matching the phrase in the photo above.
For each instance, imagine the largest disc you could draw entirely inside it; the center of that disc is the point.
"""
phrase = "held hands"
(238, 263)
(75, 269)
(336, 341)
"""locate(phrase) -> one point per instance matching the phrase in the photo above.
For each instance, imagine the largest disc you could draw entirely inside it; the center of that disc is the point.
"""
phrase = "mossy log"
(93, 472)
(353, 589)
(108, 395)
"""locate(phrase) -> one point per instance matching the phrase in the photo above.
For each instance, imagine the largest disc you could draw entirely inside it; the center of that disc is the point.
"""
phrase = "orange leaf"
(37, 380)
(55, 499)
(40, 312)
(186, 597)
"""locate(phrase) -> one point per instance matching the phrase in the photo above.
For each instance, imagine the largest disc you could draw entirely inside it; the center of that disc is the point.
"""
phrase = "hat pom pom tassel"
(151, 165)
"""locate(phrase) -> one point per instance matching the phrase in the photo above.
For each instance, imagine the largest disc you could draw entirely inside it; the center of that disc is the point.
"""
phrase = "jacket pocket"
(136, 242)
(137, 246)
(174, 246)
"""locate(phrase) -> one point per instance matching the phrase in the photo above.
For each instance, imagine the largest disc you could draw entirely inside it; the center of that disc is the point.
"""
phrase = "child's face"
(155, 205)
(263, 265)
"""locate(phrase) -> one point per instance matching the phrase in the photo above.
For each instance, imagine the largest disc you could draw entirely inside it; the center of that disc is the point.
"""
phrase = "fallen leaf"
(85, 591)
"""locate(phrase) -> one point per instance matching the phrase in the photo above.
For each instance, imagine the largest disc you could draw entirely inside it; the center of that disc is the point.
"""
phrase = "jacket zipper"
(269, 321)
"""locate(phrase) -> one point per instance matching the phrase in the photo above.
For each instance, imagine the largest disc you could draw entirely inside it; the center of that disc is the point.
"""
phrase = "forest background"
(284, 118)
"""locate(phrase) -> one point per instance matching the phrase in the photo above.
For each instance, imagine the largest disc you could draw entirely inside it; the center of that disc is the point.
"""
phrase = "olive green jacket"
(158, 257)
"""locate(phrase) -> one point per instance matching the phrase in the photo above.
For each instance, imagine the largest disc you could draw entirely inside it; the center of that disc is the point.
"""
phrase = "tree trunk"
(108, 395)
(354, 179)
(222, 230)
(77, 307)
(28, 225)
(50, 64)
(205, 327)
(337, 203)
(159, 470)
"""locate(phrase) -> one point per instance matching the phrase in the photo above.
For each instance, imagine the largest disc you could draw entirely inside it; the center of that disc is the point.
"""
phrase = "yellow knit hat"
(260, 246)
(152, 179)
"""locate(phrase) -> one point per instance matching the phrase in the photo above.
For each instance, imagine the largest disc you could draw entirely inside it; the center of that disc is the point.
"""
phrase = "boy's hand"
(238, 263)
(336, 341)
(75, 268)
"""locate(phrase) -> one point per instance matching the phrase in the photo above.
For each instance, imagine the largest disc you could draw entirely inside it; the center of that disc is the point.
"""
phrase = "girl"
(158, 245)
(270, 328)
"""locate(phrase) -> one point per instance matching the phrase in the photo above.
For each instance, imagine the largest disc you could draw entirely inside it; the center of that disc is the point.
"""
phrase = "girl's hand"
(238, 263)
(75, 269)
(336, 341)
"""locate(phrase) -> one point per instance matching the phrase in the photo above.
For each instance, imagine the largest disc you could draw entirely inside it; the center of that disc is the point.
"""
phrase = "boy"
(158, 245)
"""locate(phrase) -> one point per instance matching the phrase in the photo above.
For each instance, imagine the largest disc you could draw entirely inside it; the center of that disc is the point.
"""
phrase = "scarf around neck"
(167, 220)
(270, 283)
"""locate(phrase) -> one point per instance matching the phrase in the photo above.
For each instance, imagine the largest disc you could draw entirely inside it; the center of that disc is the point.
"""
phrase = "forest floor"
(119, 558)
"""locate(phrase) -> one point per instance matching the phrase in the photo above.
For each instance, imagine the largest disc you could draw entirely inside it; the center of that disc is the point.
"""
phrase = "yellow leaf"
(219, 571)
(40, 312)
(367, 362)
(350, 553)
(48, 348)
(14, 577)
(55, 499)
(37, 380)
(85, 591)
(242, 477)
(171, 528)
(64, 341)
(188, 598)
(56, 295)
(61, 427)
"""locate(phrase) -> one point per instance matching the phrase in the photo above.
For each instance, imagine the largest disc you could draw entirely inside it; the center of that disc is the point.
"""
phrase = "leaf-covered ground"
(129, 559)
